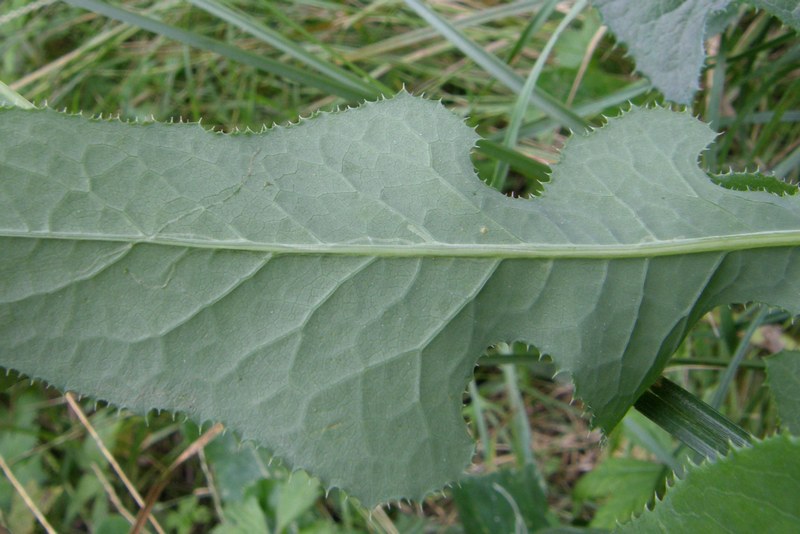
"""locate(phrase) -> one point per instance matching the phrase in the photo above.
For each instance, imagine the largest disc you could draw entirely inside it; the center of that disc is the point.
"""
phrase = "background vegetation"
(533, 442)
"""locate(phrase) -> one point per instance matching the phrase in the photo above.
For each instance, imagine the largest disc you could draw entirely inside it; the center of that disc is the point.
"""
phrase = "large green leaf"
(326, 289)
(753, 489)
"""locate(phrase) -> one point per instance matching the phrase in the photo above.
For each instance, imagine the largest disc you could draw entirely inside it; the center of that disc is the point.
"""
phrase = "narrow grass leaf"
(523, 100)
(415, 37)
(594, 107)
(275, 39)
(193, 39)
(12, 98)
(536, 172)
(499, 70)
(531, 28)
(686, 417)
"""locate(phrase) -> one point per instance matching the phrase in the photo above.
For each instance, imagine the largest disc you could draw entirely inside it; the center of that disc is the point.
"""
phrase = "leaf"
(245, 517)
(294, 497)
(666, 39)
(786, 10)
(503, 501)
(752, 488)
(754, 182)
(783, 378)
(627, 484)
(326, 289)
(235, 466)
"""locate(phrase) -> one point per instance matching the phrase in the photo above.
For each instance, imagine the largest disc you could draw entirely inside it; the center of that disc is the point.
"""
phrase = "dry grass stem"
(158, 487)
(112, 494)
(76, 408)
(19, 488)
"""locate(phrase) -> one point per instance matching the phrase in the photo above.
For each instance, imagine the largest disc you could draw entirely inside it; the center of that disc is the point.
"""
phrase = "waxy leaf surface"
(326, 289)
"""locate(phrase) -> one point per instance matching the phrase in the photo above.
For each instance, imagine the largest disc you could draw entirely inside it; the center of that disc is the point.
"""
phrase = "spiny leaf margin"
(543, 272)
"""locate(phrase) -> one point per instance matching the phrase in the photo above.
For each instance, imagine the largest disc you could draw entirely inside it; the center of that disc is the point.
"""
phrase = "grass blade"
(231, 52)
(333, 55)
(741, 350)
(787, 165)
(589, 109)
(497, 68)
(259, 31)
(689, 419)
(535, 171)
(533, 26)
(524, 99)
(414, 37)
(13, 98)
(715, 95)
(521, 425)
(480, 421)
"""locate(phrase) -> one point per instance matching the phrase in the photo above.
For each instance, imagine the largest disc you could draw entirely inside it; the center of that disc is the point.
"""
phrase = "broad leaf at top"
(326, 289)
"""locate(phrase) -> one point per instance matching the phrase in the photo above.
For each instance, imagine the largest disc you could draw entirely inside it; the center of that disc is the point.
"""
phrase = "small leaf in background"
(293, 497)
(245, 517)
(754, 489)
(504, 501)
(18, 437)
(571, 47)
(783, 378)
(112, 524)
(786, 10)
(665, 38)
(186, 516)
(235, 466)
(623, 485)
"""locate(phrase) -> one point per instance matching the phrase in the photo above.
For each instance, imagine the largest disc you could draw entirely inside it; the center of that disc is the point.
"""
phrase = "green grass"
(250, 64)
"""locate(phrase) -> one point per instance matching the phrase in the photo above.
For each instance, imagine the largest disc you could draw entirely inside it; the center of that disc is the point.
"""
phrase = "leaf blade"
(749, 488)
(665, 38)
(326, 289)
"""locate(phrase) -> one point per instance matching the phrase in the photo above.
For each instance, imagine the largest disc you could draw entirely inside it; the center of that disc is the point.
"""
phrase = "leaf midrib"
(675, 247)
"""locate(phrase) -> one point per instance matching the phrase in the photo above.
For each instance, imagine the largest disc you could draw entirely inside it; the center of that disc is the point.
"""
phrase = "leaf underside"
(326, 289)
